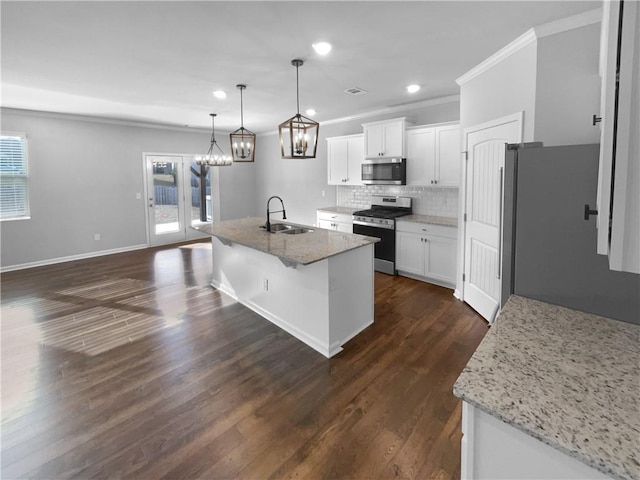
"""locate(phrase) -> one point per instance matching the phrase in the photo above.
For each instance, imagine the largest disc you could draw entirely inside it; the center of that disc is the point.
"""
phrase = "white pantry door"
(485, 147)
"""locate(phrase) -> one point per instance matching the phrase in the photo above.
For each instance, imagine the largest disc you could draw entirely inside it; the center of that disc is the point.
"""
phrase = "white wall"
(84, 176)
(300, 183)
(568, 87)
(506, 88)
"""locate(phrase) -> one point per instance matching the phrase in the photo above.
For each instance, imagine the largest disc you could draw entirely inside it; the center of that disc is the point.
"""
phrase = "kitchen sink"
(279, 227)
(297, 230)
(288, 229)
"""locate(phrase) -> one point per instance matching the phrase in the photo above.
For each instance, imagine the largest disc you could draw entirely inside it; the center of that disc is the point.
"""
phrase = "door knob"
(588, 212)
(595, 119)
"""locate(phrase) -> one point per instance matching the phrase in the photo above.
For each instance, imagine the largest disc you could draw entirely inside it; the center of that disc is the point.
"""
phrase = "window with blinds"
(14, 176)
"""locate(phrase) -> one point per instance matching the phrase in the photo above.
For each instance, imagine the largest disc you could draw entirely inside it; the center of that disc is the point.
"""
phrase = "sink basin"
(297, 230)
(278, 227)
(288, 229)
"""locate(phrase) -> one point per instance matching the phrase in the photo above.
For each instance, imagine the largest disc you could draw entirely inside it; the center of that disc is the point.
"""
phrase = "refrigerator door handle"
(500, 201)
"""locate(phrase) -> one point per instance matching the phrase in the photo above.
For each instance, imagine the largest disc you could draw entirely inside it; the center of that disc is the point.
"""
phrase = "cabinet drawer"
(427, 229)
(334, 217)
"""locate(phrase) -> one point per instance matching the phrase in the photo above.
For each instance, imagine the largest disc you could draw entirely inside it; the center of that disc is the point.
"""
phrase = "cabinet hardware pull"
(596, 119)
(588, 212)
(435, 181)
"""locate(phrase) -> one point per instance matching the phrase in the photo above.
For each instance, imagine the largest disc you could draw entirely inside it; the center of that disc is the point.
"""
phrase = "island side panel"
(351, 294)
(296, 299)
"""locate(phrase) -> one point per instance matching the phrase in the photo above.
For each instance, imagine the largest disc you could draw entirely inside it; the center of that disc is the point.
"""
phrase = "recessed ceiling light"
(322, 48)
(221, 94)
(311, 112)
(413, 88)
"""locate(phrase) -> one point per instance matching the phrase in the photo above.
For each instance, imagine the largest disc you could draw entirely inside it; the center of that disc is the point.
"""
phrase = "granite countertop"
(567, 378)
(300, 249)
(341, 210)
(434, 220)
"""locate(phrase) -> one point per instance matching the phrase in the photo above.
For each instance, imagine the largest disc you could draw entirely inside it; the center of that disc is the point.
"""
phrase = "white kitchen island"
(318, 286)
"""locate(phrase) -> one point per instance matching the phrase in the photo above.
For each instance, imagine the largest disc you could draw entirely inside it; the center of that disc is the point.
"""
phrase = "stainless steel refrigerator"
(549, 248)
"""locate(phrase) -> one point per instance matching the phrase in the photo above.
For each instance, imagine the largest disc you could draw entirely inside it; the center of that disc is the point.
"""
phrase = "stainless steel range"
(379, 221)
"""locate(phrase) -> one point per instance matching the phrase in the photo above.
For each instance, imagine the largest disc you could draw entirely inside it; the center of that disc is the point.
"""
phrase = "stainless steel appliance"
(379, 221)
(384, 171)
(549, 242)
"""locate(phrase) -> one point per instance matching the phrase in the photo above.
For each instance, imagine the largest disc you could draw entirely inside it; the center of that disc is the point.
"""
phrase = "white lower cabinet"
(339, 222)
(492, 449)
(426, 251)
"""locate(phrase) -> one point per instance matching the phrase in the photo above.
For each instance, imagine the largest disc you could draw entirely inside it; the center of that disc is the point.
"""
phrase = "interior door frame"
(214, 180)
(462, 237)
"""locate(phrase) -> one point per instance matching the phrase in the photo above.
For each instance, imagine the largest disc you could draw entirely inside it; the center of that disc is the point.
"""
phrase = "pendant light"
(214, 158)
(243, 141)
(299, 134)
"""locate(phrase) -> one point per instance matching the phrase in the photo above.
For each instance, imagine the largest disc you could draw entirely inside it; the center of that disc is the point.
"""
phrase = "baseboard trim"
(71, 258)
(433, 281)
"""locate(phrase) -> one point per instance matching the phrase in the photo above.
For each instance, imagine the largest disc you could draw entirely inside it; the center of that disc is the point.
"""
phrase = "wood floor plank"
(131, 366)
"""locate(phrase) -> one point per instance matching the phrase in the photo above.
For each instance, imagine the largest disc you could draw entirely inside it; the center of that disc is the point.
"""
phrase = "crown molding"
(104, 120)
(569, 23)
(533, 34)
(385, 111)
(505, 52)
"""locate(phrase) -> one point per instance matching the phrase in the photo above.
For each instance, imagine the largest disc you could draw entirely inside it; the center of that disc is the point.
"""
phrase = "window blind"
(14, 177)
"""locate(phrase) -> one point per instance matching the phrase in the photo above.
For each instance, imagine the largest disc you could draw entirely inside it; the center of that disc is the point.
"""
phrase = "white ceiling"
(158, 62)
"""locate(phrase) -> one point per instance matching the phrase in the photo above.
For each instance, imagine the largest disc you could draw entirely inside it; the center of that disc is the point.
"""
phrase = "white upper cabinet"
(421, 156)
(618, 201)
(344, 160)
(434, 156)
(448, 156)
(384, 138)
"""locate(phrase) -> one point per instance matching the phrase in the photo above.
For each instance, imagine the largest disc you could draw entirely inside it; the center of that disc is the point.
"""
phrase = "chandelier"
(214, 158)
(299, 134)
(243, 141)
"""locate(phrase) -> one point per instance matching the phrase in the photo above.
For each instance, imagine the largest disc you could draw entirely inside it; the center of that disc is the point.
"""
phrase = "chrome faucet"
(284, 214)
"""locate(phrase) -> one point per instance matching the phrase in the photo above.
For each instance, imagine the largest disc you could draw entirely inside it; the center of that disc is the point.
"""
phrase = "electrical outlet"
(265, 284)
(138, 196)
(323, 193)
(96, 236)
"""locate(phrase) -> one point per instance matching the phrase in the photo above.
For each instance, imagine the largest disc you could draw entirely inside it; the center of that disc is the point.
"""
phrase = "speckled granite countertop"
(445, 221)
(567, 378)
(302, 249)
(341, 210)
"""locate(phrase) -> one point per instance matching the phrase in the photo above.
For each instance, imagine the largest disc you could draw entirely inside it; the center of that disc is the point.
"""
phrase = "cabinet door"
(344, 227)
(410, 250)
(355, 154)
(373, 140)
(327, 224)
(393, 138)
(448, 155)
(441, 259)
(421, 156)
(337, 161)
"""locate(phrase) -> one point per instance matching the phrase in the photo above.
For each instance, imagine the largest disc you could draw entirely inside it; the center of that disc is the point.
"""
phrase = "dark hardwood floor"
(131, 366)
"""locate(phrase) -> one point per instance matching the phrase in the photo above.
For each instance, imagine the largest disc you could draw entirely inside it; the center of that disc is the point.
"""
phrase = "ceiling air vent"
(355, 91)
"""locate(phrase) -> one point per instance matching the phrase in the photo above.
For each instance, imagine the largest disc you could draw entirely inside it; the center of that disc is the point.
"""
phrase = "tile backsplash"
(441, 202)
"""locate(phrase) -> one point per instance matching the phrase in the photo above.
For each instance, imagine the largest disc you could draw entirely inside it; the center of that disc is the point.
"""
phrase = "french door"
(485, 146)
(179, 196)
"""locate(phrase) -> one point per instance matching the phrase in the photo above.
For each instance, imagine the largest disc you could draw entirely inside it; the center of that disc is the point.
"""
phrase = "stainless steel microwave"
(384, 171)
